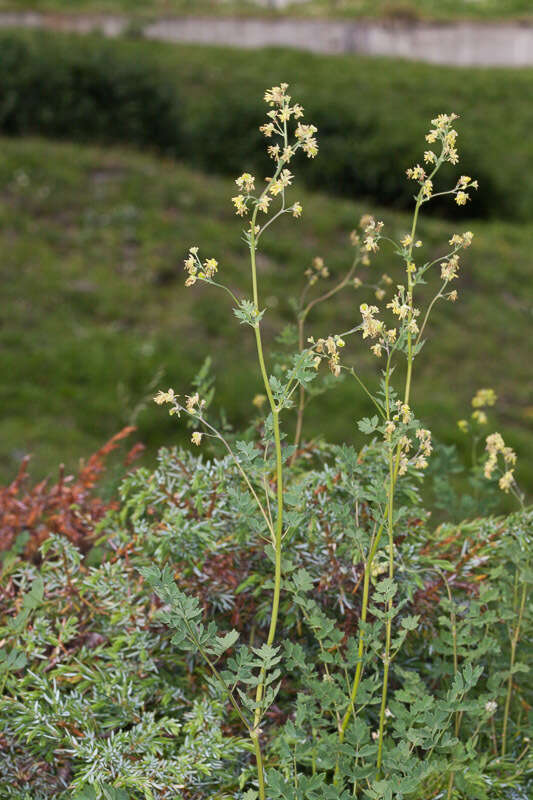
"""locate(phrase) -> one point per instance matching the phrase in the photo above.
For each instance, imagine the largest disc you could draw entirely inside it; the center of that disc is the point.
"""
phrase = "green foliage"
(88, 660)
(95, 703)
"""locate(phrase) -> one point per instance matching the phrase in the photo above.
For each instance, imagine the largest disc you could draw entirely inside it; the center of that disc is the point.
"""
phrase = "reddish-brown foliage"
(69, 507)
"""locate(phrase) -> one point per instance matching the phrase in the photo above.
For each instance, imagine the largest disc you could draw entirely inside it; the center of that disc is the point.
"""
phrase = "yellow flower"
(494, 443)
(506, 481)
(461, 198)
(297, 210)
(240, 205)
(259, 400)
(246, 182)
(165, 397)
(267, 129)
(427, 189)
(211, 267)
(484, 397)
(263, 203)
(196, 438)
(449, 269)
(417, 173)
(463, 425)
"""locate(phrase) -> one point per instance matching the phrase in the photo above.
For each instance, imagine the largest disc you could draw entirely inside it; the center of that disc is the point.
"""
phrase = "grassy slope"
(92, 244)
(407, 9)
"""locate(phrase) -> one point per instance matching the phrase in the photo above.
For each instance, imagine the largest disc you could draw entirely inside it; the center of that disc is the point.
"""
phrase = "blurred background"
(118, 152)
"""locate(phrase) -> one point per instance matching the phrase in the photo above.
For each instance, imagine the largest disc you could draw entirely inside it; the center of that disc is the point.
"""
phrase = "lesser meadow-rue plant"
(367, 717)
(347, 734)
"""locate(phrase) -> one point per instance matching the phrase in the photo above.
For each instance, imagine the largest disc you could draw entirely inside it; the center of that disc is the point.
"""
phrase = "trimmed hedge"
(77, 89)
(200, 104)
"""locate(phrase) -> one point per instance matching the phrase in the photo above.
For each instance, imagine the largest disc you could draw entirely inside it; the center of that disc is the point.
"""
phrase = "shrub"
(94, 698)
(97, 701)
(85, 89)
(69, 507)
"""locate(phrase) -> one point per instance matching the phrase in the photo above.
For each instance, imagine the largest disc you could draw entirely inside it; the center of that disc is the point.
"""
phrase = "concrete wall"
(464, 44)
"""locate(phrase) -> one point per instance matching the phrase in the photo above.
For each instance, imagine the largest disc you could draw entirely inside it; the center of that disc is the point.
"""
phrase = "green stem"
(514, 643)
(259, 762)
(278, 534)
(388, 634)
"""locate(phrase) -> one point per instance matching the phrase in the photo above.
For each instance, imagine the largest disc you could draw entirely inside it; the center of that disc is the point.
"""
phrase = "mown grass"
(382, 9)
(94, 305)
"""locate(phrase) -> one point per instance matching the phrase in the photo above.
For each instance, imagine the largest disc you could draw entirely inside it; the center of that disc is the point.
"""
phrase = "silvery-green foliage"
(95, 701)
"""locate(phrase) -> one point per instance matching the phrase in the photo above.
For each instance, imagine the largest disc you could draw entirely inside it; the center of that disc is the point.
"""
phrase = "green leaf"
(368, 425)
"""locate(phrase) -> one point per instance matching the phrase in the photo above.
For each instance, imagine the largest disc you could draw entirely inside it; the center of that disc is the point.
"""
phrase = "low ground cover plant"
(280, 618)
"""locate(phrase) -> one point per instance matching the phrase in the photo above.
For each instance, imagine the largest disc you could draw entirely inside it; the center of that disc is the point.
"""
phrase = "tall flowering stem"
(406, 338)
(246, 202)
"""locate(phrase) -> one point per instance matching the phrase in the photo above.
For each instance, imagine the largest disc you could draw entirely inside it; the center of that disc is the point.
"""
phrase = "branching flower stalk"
(249, 312)
(407, 339)
(314, 274)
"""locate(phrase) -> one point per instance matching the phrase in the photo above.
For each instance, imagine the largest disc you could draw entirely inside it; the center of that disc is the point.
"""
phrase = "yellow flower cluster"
(305, 134)
(165, 397)
(401, 306)
(449, 270)
(246, 182)
(442, 131)
(464, 182)
(316, 271)
(462, 239)
(407, 241)
(496, 446)
(424, 447)
(193, 404)
(198, 271)
(281, 112)
(277, 186)
(328, 349)
(484, 397)
(372, 231)
(373, 328)
(481, 399)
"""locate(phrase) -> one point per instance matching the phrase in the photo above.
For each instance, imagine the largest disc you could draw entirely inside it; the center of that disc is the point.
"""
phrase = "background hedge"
(200, 104)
